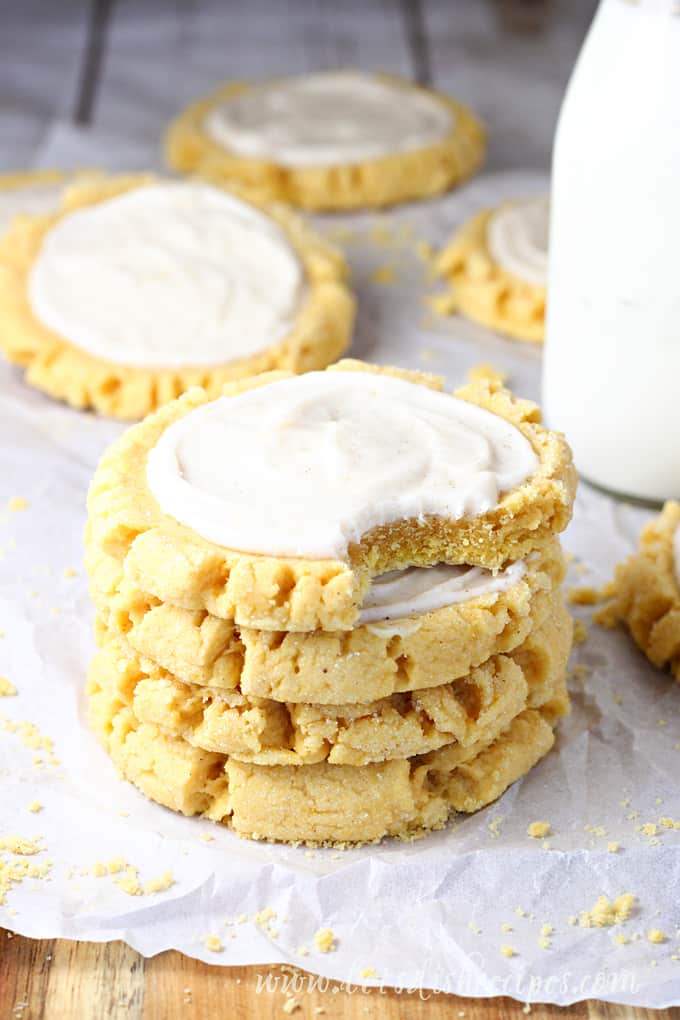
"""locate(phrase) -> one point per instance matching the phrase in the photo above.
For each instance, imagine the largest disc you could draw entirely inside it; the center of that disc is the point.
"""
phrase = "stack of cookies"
(329, 606)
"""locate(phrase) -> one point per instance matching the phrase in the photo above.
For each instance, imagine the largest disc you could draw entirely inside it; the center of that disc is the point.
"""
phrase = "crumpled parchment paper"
(427, 914)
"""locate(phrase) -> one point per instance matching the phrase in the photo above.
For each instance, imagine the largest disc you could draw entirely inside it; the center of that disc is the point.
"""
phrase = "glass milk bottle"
(612, 362)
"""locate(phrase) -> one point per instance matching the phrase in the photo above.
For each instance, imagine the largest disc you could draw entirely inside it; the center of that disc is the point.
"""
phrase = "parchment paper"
(427, 914)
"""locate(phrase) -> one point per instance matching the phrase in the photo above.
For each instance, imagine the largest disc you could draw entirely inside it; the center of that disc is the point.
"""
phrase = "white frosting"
(676, 554)
(305, 466)
(34, 199)
(165, 275)
(418, 590)
(328, 119)
(517, 236)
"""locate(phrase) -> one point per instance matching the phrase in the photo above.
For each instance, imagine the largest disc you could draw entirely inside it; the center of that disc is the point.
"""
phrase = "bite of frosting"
(307, 465)
(417, 590)
(326, 119)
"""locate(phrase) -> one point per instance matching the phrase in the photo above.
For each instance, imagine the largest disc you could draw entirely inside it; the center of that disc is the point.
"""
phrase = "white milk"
(612, 364)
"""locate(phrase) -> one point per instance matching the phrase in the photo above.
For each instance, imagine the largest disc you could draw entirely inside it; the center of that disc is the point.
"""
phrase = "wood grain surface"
(59, 980)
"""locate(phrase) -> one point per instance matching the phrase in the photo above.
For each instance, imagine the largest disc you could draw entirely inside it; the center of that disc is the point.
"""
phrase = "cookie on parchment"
(338, 140)
(140, 288)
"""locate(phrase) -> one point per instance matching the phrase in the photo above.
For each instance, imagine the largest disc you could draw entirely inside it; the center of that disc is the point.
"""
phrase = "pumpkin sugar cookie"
(647, 586)
(384, 655)
(140, 288)
(369, 470)
(329, 140)
(322, 803)
(496, 268)
(475, 709)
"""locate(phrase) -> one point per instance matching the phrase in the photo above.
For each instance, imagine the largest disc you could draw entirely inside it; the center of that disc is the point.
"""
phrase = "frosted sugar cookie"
(483, 615)
(496, 266)
(330, 140)
(473, 710)
(340, 476)
(648, 590)
(322, 803)
(139, 288)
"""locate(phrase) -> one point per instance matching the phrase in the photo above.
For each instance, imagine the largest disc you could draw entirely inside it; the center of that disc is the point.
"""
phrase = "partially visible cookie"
(306, 591)
(138, 288)
(648, 590)
(496, 269)
(471, 710)
(338, 140)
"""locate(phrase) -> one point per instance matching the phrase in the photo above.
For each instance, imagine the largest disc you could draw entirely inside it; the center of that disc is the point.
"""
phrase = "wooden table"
(59, 980)
(89, 74)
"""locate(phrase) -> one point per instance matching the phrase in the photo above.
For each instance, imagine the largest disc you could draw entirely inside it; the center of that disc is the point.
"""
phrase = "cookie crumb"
(584, 595)
(213, 943)
(7, 689)
(506, 927)
(580, 632)
(655, 935)
(35, 806)
(70, 572)
(383, 275)
(17, 503)
(538, 830)
(368, 972)
(495, 826)
(604, 913)
(485, 370)
(442, 304)
(291, 1005)
(129, 883)
(156, 885)
(613, 847)
(507, 951)
(324, 940)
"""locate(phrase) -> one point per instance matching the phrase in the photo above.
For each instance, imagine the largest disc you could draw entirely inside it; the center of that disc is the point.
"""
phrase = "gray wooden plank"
(515, 81)
(41, 48)
(164, 53)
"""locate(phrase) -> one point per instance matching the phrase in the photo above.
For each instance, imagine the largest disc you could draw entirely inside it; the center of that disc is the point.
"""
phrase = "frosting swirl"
(517, 237)
(307, 465)
(167, 274)
(328, 119)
